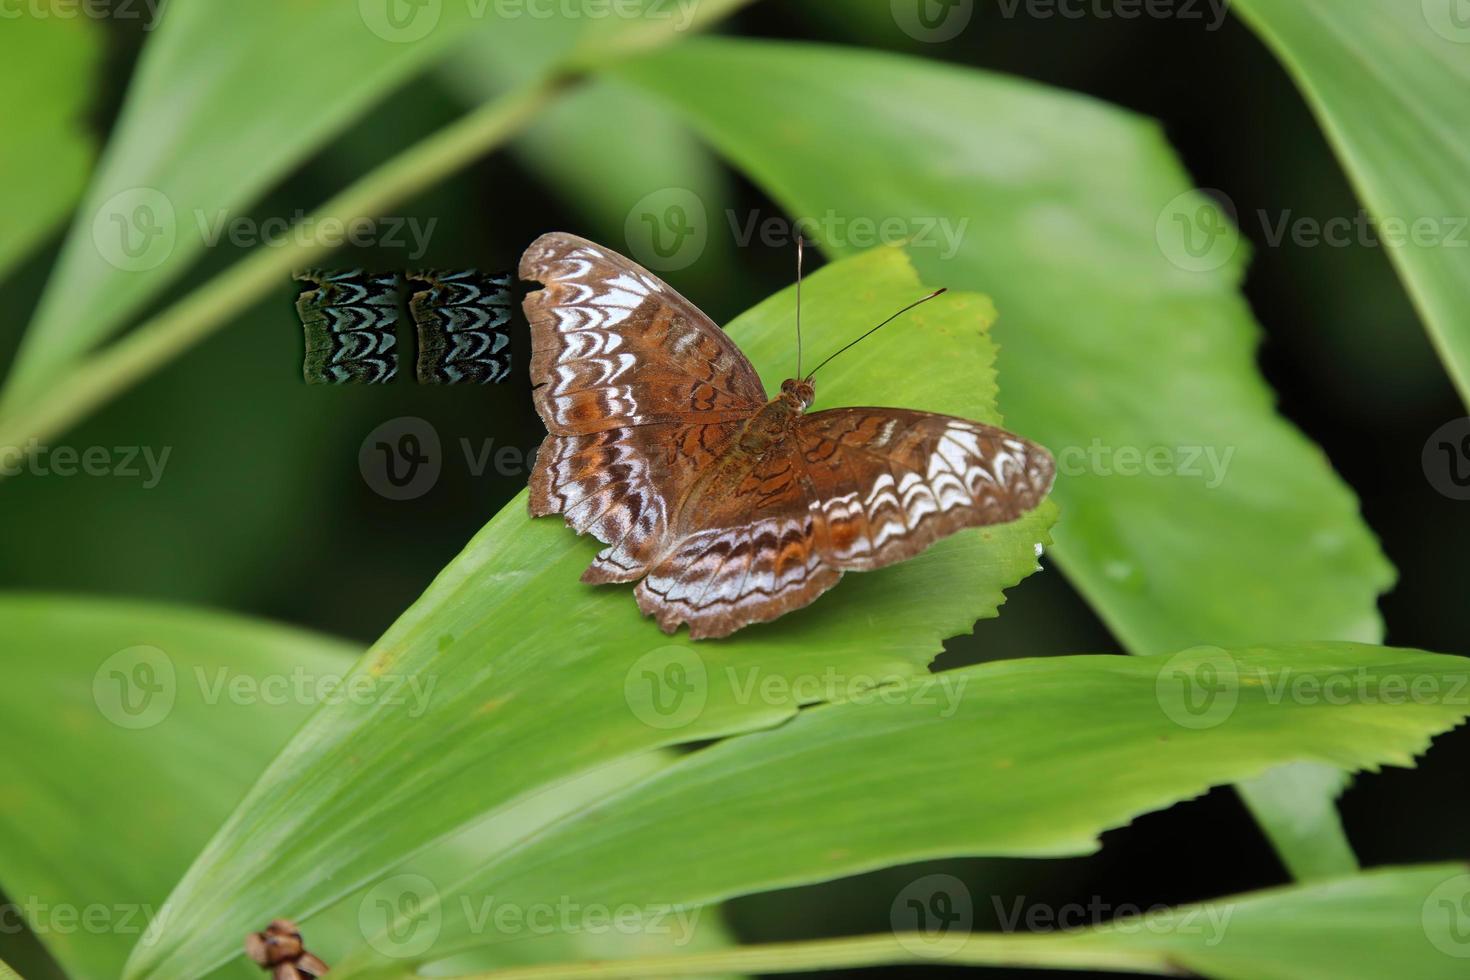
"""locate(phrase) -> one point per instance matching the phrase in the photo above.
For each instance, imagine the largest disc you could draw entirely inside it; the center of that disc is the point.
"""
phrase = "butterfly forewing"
(640, 392)
(887, 483)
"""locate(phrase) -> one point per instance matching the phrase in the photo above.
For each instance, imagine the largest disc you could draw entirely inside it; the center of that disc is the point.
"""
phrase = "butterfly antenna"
(920, 302)
(800, 247)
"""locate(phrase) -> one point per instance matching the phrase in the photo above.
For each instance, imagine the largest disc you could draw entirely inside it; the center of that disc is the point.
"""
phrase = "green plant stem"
(114, 369)
(1049, 951)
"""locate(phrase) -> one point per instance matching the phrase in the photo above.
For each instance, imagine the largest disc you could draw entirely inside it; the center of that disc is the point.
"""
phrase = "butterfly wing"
(851, 489)
(755, 555)
(639, 391)
(887, 483)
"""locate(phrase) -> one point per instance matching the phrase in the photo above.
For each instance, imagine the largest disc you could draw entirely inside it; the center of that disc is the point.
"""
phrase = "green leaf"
(176, 166)
(47, 64)
(1388, 922)
(1019, 758)
(534, 677)
(1117, 342)
(1388, 79)
(133, 755)
(138, 788)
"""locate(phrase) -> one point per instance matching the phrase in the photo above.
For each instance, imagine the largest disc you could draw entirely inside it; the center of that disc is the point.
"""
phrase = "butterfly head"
(799, 394)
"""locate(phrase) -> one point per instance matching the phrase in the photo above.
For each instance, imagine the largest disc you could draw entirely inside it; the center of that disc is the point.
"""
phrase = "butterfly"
(727, 507)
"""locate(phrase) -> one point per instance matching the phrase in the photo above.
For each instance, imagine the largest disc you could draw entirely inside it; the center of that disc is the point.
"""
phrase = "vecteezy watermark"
(143, 463)
(1446, 459)
(63, 919)
(1199, 231)
(932, 21)
(1200, 688)
(403, 915)
(138, 688)
(403, 458)
(1207, 463)
(407, 21)
(138, 229)
(932, 916)
(1450, 19)
(843, 233)
(301, 686)
(1212, 13)
(147, 11)
(1446, 916)
(409, 234)
(669, 688)
(1206, 921)
(669, 229)
(135, 688)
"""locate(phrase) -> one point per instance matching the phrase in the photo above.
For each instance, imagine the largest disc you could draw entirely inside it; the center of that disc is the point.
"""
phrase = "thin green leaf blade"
(1018, 758)
(1388, 80)
(1388, 922)
(47, 65)
(531, 678)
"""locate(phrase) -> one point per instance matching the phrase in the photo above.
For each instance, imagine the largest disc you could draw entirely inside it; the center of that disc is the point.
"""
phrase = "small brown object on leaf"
(280, 950)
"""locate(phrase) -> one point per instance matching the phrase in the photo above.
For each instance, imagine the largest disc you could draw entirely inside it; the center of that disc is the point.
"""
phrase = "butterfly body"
(725, 506)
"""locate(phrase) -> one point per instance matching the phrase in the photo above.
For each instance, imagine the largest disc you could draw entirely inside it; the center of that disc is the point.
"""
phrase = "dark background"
(263, 509)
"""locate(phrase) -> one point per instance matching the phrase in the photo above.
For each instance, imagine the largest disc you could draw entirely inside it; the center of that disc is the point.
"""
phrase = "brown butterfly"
(729, 508)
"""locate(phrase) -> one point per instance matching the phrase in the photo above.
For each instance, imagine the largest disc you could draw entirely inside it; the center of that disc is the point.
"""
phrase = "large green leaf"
(133, 753)
(267, 83)
(1020, 758)
(1118, 342)
(1388, 79)
(47, 64)
(137, 789)
(537, 677)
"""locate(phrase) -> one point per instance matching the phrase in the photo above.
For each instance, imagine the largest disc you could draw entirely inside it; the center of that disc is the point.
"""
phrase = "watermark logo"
(1198, 688)
(932, 917)
(1208, 464)
(402, 458)
(1450, 19)
(135, 230)
(667, 688)
(400, 916)
(1212, 12)
(1446, 459)
(147, 11)
(142, 463)
(1196, 230)
(1209, 922)
(1446, 917)
(932, 21)
(135, 688)
(668, 229)
(401, 21)
(858, 233)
